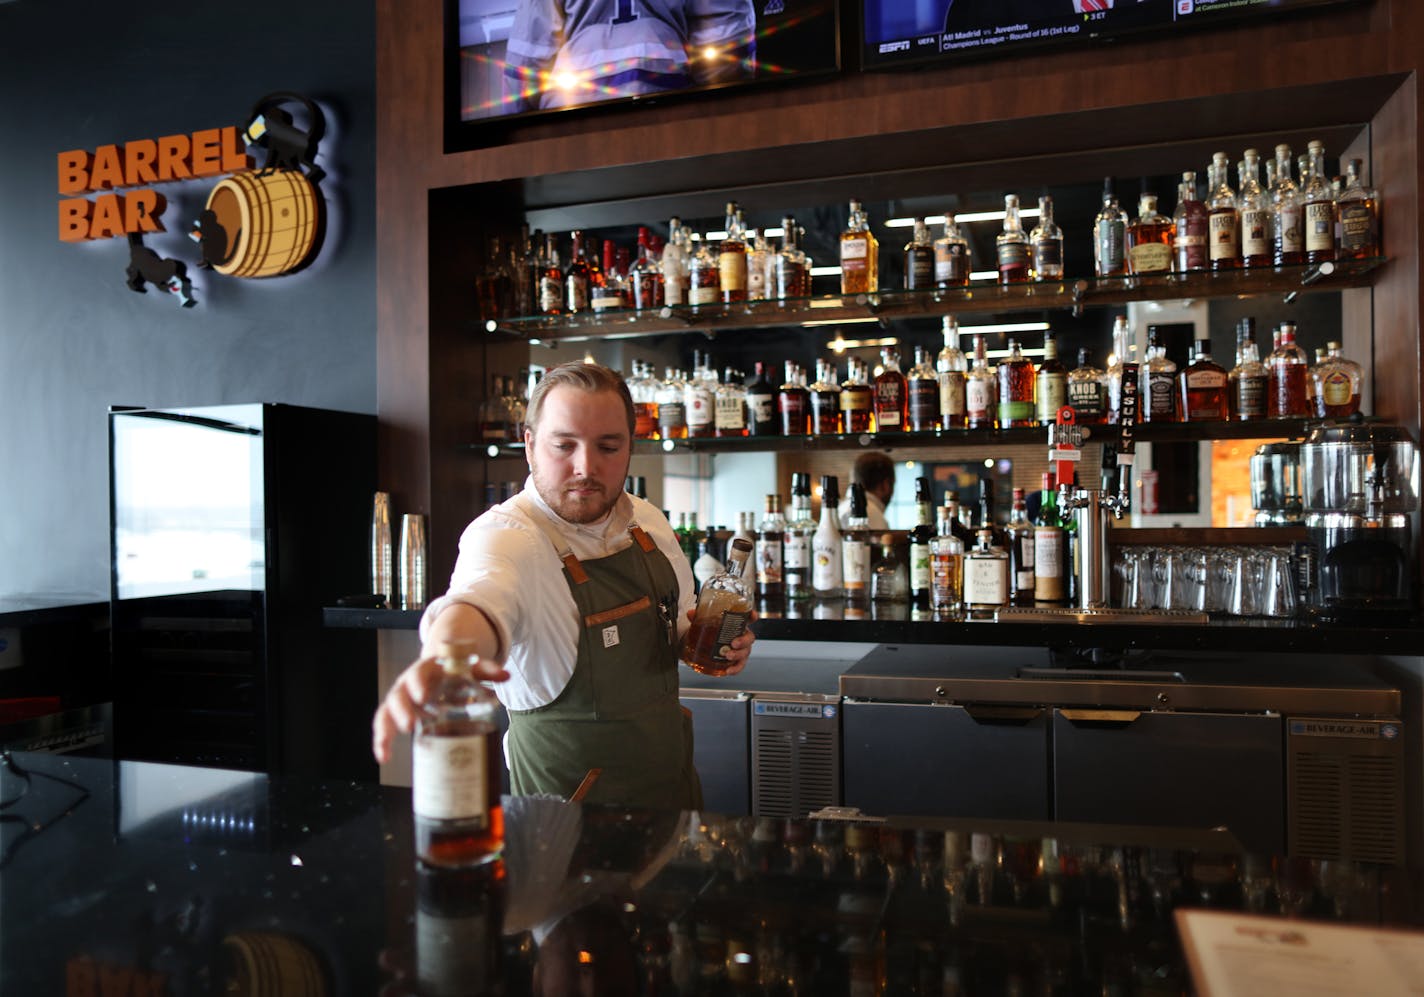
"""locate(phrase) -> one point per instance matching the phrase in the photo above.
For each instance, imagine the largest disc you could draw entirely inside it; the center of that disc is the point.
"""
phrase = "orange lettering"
(234, 151)
(138, 162)
(73, 171)
(207, 156)
(173, 158)
(74, 219)
(108, 218)
(107, 172)
(142, 209)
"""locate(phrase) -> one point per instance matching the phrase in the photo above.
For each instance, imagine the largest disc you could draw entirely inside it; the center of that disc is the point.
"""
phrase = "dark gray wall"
(73, 338)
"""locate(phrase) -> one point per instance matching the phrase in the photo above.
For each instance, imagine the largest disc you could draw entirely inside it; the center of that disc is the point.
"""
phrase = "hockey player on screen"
(563, 53)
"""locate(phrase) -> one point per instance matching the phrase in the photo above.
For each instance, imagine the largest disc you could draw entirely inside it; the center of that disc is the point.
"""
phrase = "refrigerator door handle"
(983, 713)
(1101, 717)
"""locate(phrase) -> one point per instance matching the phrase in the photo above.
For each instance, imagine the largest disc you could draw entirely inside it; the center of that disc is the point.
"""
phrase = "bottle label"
(854, 250)
(1160, 400)
(826, 571)
(920, 268)
(1206, 379)
(1336, 389)
(976, 398)
(697, 408)
(605, 298)
(951, 262)
(1052, 395)
(1319, 226)
(796, 555)
(1110, 246)
(948, 567)
(921, 568)
(1357, 223)
(1288, 230)
(1013, 255)
(762, 408)
(924, 403)
(448, 777)
(1015, 411)
(551, 295)
(730, 412)
(855, 401)
(768, 562)
(647, 290)
(986, 580)
(672, 415)
(577, 293)
(951, 393)
(757, 264)
(733, 625)
(1087, 396)
(855, 563)
(1255, 232)
(1251, 397)
(1221, 231)
(1047, 254)
(1191, 237)
(1150, 257)
(887, 404)
(1048, 582)
(732, 269)
(703, 295)
(674, 280)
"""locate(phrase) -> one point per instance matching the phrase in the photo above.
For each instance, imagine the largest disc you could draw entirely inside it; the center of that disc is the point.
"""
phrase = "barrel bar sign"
(255, 223)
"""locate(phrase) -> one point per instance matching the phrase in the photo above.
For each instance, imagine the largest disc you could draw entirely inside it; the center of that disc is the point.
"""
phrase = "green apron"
(620, 711)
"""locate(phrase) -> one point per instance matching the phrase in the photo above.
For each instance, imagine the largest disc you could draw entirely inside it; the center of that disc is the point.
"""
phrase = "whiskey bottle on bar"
(1110, 236)
(577, 277)
(789, 265)
(760, 274)
(699, 398)
(1190, 224)
(1012, 246)
(551, 279)
(1157, 382)
(1021, 551)
(606, 292)
(643, 386)
(1255, 208)
(947, 564)
(922, 394)
(1337, 384)
(674, 263)
(672, 409)
(951, 369)
(1286, 370)
(1149, 239)
(761, 405)
(704, 276)
(730, 419)
(724, 607)
(986, 575)
(891, 401)
(771, 534)
(796, 544)
(860, 254)
(794, 403)
(855, 547)
(1248, 382)
(456, 766)
(1051, 563)
(825, 401)
(951, 256)
(1318, 209)
(921, 536)
(1016, 389)
(1287, 225)
(980, 392)
(1051, 390)
(1046, 240)
(857, 399)
(1203, 388)
(1358, 210)
(1088, 390)
(732, 257)
(920, 259)
(646, 276)
(1223, 220)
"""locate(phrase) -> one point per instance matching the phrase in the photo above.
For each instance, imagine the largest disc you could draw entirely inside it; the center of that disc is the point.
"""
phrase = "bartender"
(577, 595)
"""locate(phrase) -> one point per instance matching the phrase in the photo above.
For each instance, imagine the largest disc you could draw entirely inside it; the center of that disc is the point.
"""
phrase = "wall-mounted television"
(922, 32)
(513, 60)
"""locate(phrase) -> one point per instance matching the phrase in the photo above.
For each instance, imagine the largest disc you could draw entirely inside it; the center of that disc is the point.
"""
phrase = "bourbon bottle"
(1255, 208)
(1286, 369)
(732, 257)
(919, 259)
(891, 394)
(1358, 208)
(1051, 392)
(1318, 209)
(1287, 225)
(860, 254)
(551, 279)
(578, 277)
(1016, 389)
(951, 256)
(724, 607)
(1110, 236)
(1190, 241)
(951, 368)
(1012, 245)
(1047, 242)
(922, 394)
(1248, 382)
(1223, 220)
(1337, 384)
(857, 399)
(1149, 239)
(825, 396)
(794, 402)
(1203, 396)
(980, 392)
(1158, 382)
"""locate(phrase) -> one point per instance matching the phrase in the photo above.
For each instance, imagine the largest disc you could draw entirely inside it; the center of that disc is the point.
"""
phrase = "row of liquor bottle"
(1284, 221)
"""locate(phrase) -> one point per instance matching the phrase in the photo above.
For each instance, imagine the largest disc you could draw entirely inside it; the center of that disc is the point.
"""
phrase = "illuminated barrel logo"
(269, 222)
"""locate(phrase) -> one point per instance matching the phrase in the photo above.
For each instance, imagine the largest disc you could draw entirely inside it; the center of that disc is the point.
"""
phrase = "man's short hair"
(872, 470)
(590, 377)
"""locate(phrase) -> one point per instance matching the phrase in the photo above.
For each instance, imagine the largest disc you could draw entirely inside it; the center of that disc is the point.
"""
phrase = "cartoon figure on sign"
(147, 267)
(289, 147)
(209, 233)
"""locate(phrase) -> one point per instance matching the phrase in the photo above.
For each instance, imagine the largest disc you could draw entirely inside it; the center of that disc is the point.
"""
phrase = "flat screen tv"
(922, 32)
(512, 60)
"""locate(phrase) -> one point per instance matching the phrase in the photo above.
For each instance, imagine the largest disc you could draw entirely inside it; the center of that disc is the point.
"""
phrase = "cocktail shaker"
(381, 549)
(413, 592)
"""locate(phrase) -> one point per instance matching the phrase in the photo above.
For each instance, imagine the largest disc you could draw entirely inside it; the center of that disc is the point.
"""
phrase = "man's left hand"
(741, 648)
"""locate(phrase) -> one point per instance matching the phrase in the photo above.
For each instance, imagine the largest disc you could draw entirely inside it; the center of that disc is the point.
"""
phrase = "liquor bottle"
(860, 255)
(606, 293)
(771, 534)
(951, 255)
(724, 606)
(732, 257)
(987, 518)
(646, 277)
(457, 931)
(958, 526)
(1123, 351)
(855, 547)
(1358, 211)
(947, 561)
(494, 286)
(794, 403)
(920, 259)
(825, 396)
(922, 389)
(1202, 388)
(705, 565)
(1337, 384)
(890, 394)
(1051, 391)
(1149, 239)
(1318, 209)
(1287, 224)
(826, 579)
(1050, 548)
(986, 575)
(643, 386)
(1223, 220)
(1285, 368)
(1046, 240)
(492, 412)
(796, 545)
(576, 278)
(1012, 245)
(551, 279)
(789, 265)
(1157, 382)
(921, 536)
(1190, 223)
(699, 399)
(526, 271)
(1109, 236)
(1310, 386)
(1255, 207)
(980, 392)
(890, 577)
(675, 263)
(1088, 390)
(456, 766)
(1021, 552)
(857, 399)
(760, 276)
(1016, 389)
(1248, 382)
(730, 419)
(952, 370)
(761, 405)
(704, 277)
(672, 408)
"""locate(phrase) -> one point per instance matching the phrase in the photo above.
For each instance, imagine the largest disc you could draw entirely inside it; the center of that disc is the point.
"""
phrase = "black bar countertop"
(124, 877)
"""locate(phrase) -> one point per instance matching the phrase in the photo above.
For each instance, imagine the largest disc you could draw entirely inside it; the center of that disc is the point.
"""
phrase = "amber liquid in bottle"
(857, 404)
(461, 843)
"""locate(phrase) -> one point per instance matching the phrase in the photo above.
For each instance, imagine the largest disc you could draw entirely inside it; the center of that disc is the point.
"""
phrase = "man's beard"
(573, 508)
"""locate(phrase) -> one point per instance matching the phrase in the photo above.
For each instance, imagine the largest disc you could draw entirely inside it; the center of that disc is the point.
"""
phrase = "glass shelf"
(891, 305)
(1174, 432)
